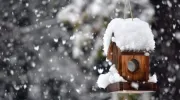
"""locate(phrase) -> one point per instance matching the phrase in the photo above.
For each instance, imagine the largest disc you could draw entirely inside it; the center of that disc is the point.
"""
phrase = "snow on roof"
(129, 35)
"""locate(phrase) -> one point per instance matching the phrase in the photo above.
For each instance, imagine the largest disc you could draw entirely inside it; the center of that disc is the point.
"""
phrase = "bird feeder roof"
(129, 35)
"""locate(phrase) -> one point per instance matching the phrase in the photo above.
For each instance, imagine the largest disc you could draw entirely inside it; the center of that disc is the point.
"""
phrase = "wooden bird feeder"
(133, 67)
(126, 44)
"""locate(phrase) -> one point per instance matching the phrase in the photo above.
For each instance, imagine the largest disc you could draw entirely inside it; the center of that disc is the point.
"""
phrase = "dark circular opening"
(133, 65)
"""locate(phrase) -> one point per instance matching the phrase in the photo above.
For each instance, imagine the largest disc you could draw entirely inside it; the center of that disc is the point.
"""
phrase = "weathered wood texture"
(141, 74)
(121, 59)
(110, 51)
(120, 86)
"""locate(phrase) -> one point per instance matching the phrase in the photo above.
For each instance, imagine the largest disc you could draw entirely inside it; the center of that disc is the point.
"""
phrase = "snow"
(95, 7)
(41, 50)
(70, 13)
(147, 14)
(177, 36)
(111, 77)
(100, 71)
(169, 3)
(55, 40)
(135, 85)
(153, 78)
(36, 48)
(129, 34)
(103, 80)
(75, 11)
(173, 79)
(109, 62)
(146, 54)
(79, 39)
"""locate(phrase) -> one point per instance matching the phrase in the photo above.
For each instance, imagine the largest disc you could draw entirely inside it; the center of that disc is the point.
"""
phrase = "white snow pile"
(153, 79)
(135, 85)
(111, 77)
(129, 34)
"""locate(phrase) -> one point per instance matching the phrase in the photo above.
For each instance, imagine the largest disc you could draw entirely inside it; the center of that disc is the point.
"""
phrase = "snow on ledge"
(129, 34)
(153, 79)
(111, 77)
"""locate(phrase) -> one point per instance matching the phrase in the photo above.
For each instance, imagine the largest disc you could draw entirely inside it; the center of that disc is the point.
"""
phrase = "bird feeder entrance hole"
(133, 67)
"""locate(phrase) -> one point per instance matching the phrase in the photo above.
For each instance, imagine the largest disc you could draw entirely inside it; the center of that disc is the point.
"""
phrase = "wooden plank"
(119, 62)
(147, 68)
(125, 72)
(114, 61)
(110, 52)
(120, 86)
(139, 74)
(132, 53)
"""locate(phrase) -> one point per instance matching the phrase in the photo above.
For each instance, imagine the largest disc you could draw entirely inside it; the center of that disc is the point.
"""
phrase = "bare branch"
(38, 25)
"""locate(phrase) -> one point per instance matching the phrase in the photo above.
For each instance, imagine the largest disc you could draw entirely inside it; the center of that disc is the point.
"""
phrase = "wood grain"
(120, 86)
(121, 59)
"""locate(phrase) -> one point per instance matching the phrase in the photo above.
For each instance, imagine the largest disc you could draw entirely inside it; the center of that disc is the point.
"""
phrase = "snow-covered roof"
(129, 35)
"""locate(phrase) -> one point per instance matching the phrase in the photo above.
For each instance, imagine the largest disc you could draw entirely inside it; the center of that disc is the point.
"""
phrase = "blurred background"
(52, 49)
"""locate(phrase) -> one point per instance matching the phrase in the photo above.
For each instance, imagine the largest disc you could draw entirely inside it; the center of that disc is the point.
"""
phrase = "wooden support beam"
(125, 87)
